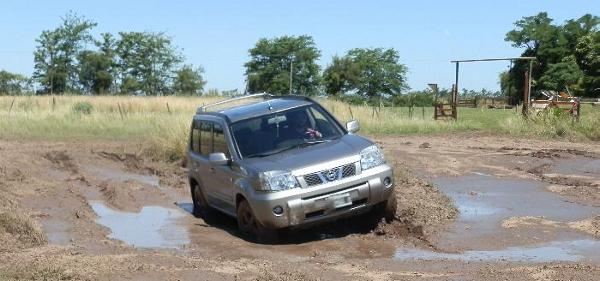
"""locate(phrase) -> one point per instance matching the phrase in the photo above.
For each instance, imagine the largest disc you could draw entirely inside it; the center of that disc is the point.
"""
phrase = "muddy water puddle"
(555, 251)
(152, 227)
(484, 201)
(580, 167)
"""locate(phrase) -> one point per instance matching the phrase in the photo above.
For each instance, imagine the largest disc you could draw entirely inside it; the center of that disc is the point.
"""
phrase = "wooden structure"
(471, 103)
(443, 110)
(527, 90)
(561, 101)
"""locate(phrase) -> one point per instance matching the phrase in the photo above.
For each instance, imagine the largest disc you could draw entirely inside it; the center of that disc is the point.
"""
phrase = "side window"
(319, 118)
(205, 138)
(195, 137)
(322, 124)
(219, 143)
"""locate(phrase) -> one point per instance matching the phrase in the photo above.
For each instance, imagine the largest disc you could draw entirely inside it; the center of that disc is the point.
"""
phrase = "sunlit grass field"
(161, 124)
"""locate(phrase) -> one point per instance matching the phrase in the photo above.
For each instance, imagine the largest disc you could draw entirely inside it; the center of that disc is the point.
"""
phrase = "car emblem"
(331, 175)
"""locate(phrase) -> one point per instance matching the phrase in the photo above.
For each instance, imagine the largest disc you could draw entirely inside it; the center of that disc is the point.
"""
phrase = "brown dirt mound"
(131, 161)
(591, 226)
(169, 174)
(119, 195)
(267, 275)
(422, 207)
(62, 160)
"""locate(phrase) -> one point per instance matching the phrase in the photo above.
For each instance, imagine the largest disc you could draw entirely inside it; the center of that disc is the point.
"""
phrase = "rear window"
(208, 137)
(219, 142)
(205, 138)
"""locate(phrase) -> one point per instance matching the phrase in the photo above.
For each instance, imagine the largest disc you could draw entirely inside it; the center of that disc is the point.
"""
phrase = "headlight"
(277, 180)
(371, 157)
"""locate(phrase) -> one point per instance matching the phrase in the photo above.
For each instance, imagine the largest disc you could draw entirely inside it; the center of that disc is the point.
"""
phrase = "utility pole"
(529, 81)
(291, 73)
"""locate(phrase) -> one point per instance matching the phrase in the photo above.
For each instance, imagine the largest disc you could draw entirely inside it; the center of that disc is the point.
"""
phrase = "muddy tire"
(201, 208)
(391, 205)
(249, 226)
(386, 209)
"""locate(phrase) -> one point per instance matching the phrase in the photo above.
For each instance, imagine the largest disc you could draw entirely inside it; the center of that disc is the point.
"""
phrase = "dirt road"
(470, 208)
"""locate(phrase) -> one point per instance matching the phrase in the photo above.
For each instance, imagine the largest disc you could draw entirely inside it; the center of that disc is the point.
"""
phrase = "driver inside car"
(300, 127)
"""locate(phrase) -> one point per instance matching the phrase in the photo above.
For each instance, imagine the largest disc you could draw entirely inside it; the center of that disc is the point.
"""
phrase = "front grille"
(334, 174)
(312, 179)
(348, 170)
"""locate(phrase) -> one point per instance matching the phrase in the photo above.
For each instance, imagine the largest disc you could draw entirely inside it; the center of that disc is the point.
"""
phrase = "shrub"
(83, 107)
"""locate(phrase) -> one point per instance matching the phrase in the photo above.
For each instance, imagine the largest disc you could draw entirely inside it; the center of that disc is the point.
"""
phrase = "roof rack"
(204, 108)
(265, 96)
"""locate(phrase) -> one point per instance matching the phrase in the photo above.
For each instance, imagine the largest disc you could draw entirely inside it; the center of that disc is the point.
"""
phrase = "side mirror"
(218, 159)
(352, 126)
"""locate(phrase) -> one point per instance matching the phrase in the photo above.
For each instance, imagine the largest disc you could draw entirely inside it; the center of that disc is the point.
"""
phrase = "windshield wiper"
(300, 145)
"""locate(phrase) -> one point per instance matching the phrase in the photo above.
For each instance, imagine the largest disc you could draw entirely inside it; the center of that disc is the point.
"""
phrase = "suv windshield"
(277, 132)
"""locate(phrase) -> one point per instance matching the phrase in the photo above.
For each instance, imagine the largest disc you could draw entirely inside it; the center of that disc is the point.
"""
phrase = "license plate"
(341, 200)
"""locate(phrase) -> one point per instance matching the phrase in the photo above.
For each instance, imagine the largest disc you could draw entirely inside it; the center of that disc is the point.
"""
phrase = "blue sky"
(217, 34)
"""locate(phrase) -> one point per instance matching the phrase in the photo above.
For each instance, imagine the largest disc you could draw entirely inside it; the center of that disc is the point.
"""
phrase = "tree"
(507, 86)
(340, 76)
(56, 55)
(371, 73)
(576, 29)
(149, 59)
(560, 75)
(272, 61)
(95, 72)
(587, 53)
(107, 47)
(12, 83)
(189, 81)
(553, 46)
(50, 71)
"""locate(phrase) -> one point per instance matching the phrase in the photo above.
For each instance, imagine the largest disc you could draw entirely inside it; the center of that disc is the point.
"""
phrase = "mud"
(470, 208)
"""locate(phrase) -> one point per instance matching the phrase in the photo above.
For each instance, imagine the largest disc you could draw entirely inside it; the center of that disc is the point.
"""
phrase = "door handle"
(212, 169)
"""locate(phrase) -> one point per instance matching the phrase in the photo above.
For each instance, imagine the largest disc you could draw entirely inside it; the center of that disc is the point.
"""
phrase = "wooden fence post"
(11, 106)
(120, 111)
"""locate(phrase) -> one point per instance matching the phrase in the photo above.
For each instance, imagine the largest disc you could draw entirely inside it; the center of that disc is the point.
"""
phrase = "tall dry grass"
(161, 124)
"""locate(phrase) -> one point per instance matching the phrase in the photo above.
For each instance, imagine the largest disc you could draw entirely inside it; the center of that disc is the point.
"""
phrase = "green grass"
(160, 124)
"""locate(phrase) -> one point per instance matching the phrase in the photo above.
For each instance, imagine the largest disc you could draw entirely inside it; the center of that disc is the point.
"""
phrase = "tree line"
(288, 64)
(567, 56)
(69, 59)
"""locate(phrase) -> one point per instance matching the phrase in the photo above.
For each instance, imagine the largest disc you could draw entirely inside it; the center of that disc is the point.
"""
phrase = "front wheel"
(387, 209)
(249, 225)
(391, 205)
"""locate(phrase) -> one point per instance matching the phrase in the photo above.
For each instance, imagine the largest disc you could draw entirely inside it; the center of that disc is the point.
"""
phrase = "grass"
(18, 223)
(37, 271)
(160, 124)
(14, 221)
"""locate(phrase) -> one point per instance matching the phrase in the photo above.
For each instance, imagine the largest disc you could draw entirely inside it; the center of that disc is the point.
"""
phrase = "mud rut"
(108, 213)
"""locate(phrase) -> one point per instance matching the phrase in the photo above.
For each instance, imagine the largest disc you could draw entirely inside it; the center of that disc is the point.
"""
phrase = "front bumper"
(310, 205)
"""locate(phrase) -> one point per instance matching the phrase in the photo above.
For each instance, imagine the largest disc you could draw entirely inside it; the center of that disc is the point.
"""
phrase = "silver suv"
(276, 162)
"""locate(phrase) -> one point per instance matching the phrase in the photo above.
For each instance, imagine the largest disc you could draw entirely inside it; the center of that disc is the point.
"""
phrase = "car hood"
(293, 159)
